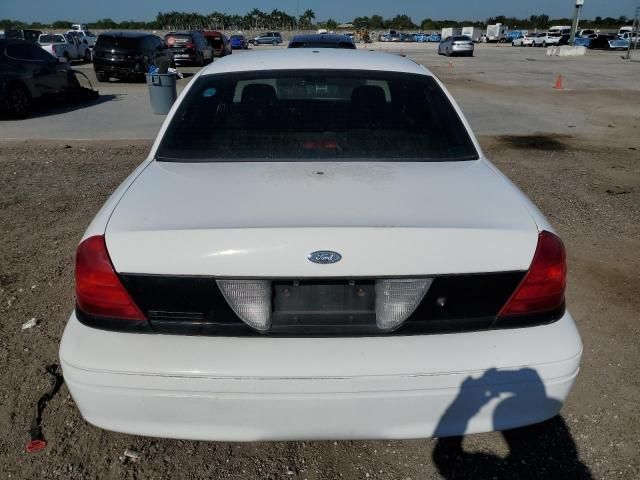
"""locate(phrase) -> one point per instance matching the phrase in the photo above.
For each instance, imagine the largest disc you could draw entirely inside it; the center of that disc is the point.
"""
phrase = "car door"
(72, 45)
(206, 48)
(41, 72)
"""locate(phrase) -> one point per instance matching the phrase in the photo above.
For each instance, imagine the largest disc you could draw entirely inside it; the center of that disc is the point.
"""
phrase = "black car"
(128, 55)
(29, 74)
(27, 34)
(322, 40)
(190, 47)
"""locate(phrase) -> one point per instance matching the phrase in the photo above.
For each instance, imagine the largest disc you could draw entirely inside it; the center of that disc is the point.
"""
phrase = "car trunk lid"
(253, 219)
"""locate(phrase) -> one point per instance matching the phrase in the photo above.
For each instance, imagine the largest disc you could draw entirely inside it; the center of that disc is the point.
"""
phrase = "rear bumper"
(246, 389)
(124, 70)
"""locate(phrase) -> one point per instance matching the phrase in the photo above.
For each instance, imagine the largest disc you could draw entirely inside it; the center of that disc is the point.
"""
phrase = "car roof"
(309, 58)
(125, 34)
(321, 38)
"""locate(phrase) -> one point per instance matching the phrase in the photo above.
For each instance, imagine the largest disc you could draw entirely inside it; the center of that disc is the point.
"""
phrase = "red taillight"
(192, 46)
(98, 289)
(542, 289)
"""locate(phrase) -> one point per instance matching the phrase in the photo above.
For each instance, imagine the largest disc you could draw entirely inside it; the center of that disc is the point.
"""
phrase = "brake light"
(191, 46)
(542, 289)
(99, 291)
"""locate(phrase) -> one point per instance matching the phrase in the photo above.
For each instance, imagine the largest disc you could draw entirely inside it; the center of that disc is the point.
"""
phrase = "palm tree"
(306, 19)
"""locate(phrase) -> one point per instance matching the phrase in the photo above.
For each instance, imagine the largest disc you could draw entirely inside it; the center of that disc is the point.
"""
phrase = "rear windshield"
(237, 37)
(461, 39)
(180, 37)
(51, 39)
(109, 41)
(315, 114)
(215, 42)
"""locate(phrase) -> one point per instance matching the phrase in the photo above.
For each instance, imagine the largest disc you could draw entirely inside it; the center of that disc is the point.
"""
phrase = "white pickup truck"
(65, 45)
(85, 35)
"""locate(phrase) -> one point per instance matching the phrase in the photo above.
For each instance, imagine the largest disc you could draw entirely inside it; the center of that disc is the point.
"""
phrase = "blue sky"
(341, 10)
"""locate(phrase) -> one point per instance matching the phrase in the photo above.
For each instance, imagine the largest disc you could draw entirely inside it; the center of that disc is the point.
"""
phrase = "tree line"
(257, 19)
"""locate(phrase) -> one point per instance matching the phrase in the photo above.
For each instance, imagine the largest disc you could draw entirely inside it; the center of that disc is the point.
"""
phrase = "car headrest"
(258, 94)
(368, 97)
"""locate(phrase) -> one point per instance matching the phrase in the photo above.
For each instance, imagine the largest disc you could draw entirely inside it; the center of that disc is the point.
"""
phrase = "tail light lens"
(542, 289)
(250, 299)
(99, 291)
(396, 300)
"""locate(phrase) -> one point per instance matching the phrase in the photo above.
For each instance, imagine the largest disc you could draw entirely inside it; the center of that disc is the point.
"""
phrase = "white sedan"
(317, 248)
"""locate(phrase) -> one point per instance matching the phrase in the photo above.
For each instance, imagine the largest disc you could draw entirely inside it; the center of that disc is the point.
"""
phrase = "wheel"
(544, 44)
(87, 55)
(102, 77)
(274, 43)
(200, 61)
(19, 101)
(66, 56)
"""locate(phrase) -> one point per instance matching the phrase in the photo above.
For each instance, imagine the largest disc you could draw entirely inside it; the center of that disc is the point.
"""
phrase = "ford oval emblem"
(324, 256)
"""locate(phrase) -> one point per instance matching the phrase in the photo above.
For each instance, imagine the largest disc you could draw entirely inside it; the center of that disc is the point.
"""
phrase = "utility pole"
(635, 33)
(576, 21)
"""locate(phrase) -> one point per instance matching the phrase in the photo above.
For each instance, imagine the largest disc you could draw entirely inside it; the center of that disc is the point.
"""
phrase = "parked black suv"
(128, 55)
(26, 34)
(190, 47)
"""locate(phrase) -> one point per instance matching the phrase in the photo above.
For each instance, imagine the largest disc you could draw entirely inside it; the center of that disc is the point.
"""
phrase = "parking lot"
(574, 151)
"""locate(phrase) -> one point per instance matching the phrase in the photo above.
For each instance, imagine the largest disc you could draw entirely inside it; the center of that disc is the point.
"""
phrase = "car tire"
(87, 56)
(102, 77)
(19, 101)
(67, 56)
(200, 61)
(274, 43)
(544, 44)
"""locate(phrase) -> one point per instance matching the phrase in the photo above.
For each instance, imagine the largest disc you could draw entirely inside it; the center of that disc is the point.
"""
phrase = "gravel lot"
(585, 177)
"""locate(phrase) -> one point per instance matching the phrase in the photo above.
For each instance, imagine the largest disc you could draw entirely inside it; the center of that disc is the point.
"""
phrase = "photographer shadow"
(542, 450)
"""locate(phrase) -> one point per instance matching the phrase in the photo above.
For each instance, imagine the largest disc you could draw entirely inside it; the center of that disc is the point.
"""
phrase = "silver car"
(461, 45)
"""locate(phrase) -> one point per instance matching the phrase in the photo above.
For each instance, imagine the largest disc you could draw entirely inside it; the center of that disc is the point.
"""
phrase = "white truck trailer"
(497, 33)
(473, 33)
(451, 32)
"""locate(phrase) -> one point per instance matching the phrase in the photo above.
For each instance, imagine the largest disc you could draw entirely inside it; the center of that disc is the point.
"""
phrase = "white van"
(560, 29)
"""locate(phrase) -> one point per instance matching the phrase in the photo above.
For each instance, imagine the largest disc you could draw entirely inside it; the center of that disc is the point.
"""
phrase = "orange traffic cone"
(559, 83)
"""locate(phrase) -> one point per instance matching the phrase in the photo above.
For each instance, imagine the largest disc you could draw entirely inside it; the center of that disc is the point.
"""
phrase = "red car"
(219, 42)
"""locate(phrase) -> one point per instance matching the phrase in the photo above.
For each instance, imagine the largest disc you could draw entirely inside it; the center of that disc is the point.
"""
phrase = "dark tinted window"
(13, 34)
(51, 39)
(324, 114)
(215, 42)
(31, 53)
(118, 42)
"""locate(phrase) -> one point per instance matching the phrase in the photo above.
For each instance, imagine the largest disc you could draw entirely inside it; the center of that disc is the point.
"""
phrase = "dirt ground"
(49, 191)
(586, 182)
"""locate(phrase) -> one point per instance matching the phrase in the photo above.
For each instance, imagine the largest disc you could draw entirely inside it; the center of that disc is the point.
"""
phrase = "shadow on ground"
(544, 450)
(51, 108)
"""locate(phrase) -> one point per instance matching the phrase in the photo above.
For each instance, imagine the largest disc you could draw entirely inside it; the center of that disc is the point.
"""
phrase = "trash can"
(162, 92)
